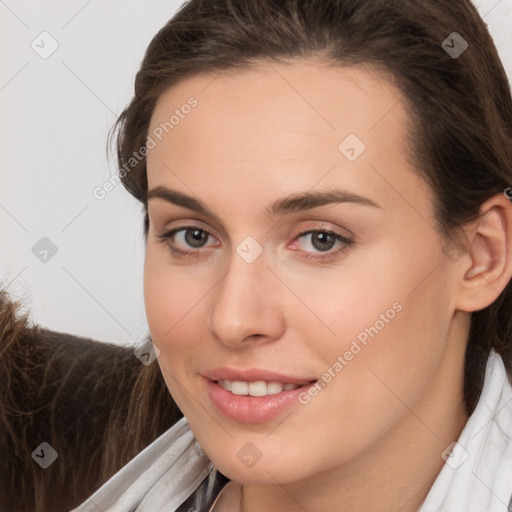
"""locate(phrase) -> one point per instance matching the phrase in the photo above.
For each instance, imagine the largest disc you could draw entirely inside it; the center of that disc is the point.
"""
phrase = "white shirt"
(477, 477)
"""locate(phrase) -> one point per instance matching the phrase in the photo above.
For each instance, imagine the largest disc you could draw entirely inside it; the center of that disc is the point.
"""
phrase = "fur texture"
(96, 404)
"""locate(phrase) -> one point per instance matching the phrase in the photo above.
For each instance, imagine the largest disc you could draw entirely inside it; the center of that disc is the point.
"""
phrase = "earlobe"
(487, 267)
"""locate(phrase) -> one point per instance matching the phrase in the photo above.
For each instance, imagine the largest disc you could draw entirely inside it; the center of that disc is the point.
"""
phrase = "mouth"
(247, 398)
(259, 388)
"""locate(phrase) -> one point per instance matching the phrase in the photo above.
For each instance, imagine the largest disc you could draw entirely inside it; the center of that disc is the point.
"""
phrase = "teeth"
(257, 388)
(239, 388)
(274, 387)
(226, 384)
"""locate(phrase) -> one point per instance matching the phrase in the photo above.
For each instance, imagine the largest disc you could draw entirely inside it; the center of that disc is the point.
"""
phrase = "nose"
(245, 308)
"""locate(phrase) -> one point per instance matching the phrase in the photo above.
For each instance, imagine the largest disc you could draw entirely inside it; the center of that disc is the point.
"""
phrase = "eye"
(322, 243)
(187, 241)
(192, 237)
(180, 239)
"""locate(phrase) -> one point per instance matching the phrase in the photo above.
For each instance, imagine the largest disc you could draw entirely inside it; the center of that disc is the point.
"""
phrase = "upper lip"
(253, 375)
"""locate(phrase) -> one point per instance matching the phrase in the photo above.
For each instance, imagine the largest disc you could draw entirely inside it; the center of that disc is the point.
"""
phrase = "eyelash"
(166, 238)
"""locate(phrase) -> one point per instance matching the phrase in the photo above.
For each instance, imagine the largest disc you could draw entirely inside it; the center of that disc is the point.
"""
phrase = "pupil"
(323, 241)
(196, 237)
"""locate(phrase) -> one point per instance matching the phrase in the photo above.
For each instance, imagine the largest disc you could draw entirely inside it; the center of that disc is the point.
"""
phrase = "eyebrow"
(293, 203)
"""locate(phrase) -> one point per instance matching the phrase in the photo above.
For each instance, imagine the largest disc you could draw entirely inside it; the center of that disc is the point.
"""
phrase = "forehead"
(282, 123)
(314, 98)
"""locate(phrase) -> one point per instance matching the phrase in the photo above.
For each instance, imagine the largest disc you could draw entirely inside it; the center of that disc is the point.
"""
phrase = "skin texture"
(372, 439)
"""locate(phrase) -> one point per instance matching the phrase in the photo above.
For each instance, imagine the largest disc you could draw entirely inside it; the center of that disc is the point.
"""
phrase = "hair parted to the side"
(460, 109)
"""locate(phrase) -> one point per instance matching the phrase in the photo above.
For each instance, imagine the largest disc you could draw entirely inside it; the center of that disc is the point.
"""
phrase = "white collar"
(476, 478)
(161, 477)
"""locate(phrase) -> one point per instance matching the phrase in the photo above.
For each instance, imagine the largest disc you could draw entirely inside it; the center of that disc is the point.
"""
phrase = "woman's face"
(302, 253)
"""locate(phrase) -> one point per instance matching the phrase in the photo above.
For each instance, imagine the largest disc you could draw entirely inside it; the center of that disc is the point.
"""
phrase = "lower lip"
(253, 409)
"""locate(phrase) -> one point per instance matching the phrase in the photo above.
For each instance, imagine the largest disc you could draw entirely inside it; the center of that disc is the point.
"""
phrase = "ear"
(486, 269)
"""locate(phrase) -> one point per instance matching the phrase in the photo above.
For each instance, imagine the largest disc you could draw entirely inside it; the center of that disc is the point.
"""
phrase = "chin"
(262, 473)
(258, 462)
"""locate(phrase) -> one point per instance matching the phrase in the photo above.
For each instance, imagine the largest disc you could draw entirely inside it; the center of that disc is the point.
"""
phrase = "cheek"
(401, 323)
(159, 296)
(390, 315)
(171, 294)
(175, 305)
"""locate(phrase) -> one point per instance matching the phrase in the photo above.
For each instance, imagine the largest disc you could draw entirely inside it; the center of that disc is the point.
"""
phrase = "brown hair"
(92, 402)
(460, 108)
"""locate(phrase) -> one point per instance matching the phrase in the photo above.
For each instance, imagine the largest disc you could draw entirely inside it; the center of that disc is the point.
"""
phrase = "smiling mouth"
(254, 400)
(258, 388)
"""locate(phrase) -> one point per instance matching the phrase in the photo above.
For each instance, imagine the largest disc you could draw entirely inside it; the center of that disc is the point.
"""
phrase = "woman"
(327, 272)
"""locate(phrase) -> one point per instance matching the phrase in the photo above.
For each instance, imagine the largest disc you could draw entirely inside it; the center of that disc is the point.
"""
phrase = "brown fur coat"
(94, 403)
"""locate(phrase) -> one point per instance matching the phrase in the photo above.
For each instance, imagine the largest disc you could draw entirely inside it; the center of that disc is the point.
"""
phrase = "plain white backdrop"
(67, 70)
